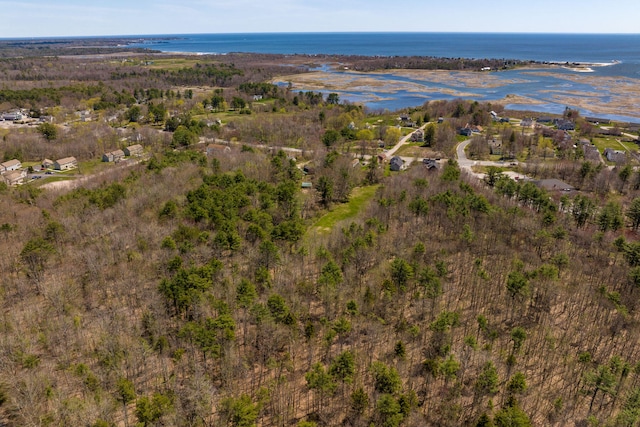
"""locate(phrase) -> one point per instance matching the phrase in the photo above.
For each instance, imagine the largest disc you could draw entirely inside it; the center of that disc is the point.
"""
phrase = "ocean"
(614, 56)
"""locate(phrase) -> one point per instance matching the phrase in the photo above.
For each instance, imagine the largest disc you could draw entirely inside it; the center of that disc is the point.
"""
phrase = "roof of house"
(14, 175)
(11, 163)
(66, 160)
(134, 147)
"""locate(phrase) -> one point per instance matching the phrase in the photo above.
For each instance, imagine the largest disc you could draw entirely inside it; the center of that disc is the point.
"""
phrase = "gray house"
(615, 156)
(396, 163)
(134, 150)
(113, 156)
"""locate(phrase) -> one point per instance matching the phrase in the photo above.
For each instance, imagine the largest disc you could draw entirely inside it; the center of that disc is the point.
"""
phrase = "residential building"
(10, 165)
(417, 136)
(113, 156)
(615, 156)
(65, 164)
(9, 117)
(15, 177)
(430, 164)
(134, 150)
(213, 149)
(396, 163)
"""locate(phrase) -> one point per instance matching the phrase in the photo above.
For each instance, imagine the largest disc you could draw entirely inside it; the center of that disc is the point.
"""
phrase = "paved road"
(390, 152)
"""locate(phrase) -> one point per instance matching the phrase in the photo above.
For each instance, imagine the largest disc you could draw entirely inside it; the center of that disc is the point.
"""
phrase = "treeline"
(430, 63)
(207, 74)
(62, 46)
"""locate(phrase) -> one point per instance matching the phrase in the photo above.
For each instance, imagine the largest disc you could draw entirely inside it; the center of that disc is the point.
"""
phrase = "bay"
(613, 55)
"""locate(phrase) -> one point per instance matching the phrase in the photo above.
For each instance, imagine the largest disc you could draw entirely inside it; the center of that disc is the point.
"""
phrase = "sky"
(55, 18)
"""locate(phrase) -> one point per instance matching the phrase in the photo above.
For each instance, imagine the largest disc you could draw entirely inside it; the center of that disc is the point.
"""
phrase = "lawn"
(602, 143)
(360, 197)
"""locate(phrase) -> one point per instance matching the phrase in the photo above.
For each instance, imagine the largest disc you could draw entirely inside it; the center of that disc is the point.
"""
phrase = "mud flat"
(615, 96)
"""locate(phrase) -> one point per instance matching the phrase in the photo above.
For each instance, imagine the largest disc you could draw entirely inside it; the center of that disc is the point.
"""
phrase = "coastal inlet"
(547, 89)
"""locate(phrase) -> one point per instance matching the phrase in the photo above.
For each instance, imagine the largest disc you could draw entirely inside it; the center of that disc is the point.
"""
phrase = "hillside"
(200, 285)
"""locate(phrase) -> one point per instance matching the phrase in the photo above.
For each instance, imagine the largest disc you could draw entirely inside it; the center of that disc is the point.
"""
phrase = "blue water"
(623, 50)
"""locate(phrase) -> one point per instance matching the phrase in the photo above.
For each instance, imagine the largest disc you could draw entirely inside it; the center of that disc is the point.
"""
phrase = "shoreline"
(608, 97)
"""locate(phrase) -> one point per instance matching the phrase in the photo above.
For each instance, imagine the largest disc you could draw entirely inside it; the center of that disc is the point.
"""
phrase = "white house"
(65, 164)
(15, 177)
(10, 165)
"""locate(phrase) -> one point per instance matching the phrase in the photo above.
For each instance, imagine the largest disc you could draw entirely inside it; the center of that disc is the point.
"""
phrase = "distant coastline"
(551, 71)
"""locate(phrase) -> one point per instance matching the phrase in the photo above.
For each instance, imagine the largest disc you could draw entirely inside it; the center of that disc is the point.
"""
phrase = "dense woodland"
(197, 290)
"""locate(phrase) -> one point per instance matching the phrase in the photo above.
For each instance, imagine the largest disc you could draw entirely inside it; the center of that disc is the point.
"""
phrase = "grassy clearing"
(415, 149)
(603, 143)
(358, 200)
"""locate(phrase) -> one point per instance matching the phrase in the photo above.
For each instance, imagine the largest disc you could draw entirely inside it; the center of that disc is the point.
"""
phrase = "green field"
(611, 142)
(358, 200)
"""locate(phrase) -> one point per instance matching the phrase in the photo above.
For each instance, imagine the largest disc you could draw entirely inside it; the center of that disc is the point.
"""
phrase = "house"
(15, 177)
(554, 185)
(213, 149)
(495, 147)
(13, 116)
(615, 156)
(465, 131)
(598, 121)
(396, 163)
(591, 153)
(526, 123)
(47, 163)
(134, 150)
(65, 164)
(306, 185)
(309, 169)
(609, 131)
(564, 124)
(430, 164)
(417, 136)
(382, 158)
(113, 156)
(10, 165)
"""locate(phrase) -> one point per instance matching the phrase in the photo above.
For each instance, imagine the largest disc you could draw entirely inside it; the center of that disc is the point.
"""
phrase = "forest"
(205, 285)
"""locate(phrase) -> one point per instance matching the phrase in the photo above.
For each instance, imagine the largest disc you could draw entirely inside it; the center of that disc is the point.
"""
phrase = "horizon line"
(98, 36)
